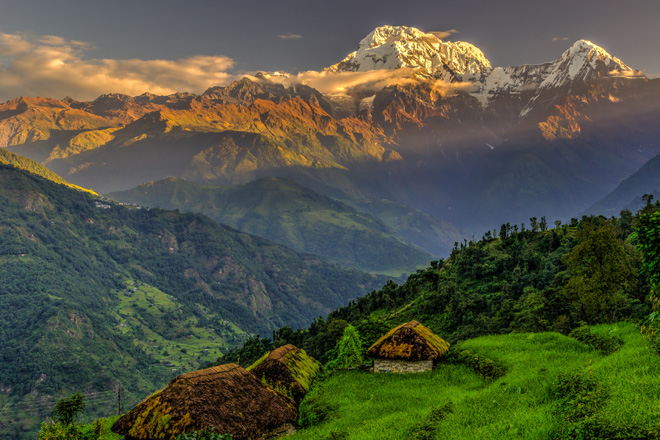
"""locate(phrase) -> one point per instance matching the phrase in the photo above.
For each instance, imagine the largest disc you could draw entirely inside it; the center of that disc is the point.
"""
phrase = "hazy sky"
(164, 45)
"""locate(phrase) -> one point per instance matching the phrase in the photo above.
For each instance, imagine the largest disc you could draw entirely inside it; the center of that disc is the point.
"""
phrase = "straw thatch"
(226, 398)
(409, 342)
(288, 370)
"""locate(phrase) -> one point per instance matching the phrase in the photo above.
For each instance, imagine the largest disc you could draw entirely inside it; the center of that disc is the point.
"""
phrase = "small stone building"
(408, 348)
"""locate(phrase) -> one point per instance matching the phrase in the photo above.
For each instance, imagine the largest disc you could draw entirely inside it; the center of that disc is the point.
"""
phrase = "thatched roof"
(409, 342)
(288, 370)
(225, 397)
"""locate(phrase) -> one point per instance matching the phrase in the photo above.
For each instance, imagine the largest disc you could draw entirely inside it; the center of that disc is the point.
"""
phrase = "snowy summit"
(394, 47)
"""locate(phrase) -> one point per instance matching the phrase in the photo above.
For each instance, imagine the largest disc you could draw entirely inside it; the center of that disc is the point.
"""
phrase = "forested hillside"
(521, 278)
(290, 214)
(97, 296)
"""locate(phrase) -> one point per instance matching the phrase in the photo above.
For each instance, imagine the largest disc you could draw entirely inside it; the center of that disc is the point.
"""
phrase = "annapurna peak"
(393, 47)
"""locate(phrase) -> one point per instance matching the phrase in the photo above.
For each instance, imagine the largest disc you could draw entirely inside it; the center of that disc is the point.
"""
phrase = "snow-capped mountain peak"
(393, 47)
(581, 61)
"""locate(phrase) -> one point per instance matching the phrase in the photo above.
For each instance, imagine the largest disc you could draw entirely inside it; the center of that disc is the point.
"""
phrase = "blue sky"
(239, 36)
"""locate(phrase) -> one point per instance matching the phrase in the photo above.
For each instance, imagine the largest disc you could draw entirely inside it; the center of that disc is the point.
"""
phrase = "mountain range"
(407, 117)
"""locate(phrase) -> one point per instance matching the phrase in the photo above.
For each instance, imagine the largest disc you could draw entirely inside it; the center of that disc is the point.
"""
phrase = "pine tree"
(348, 351)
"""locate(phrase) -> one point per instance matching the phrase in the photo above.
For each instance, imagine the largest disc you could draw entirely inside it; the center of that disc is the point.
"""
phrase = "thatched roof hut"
(288, 370)
(226, 398)
(408, 347)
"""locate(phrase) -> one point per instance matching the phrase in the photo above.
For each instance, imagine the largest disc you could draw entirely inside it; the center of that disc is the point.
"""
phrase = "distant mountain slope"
(221, 143)
(23, 163)
(96, 295)
(414, 226)
(628, 195)
(290, 214)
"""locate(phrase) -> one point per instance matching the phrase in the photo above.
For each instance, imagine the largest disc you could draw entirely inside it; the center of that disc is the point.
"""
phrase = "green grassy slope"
(524, 403)
(290, 214)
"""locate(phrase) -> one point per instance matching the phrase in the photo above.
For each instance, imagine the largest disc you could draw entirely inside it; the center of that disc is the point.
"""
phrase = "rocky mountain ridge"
(435, 127)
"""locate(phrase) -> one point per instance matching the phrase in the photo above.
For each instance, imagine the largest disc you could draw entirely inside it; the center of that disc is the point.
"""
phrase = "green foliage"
(336, 435)
(69, 408)
(204, 435)
(648, 242)
(487, 368)
(59, 431)
(247, 354)
(647, 235)
(97, 430)
(313, 410)
(348, 351)
(370, 330)
(602, 274)
(427, 429)
(579, 400)
(500, 285)
(608, 344)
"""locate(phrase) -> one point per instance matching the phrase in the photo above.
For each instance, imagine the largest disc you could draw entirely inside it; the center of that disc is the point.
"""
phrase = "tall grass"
(521, 404)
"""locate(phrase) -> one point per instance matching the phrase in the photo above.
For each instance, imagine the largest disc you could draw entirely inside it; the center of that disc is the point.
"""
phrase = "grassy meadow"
(453, 402)
(155, 320)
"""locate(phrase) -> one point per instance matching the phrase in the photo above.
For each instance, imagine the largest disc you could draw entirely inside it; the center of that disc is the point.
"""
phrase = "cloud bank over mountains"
(328, 82)
(48, 65)
(55, 67)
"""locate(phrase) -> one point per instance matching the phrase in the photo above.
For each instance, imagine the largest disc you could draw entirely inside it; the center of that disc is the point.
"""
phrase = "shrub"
(427, 429)
(487, 368)
(608, 344)
(313, 411)
(58, 431)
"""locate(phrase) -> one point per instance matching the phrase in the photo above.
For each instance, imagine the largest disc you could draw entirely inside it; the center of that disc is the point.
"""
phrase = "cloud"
(626, 73)
(370, 81)
(560, 39)
(443, 34)
(289, 36)
(55, 67)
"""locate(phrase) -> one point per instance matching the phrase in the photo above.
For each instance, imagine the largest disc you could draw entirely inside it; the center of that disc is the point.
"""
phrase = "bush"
(51, 430)
(427, 429)
(580, 399)
(312, 412)
(607, 344)
(100, 429)
(487, 368)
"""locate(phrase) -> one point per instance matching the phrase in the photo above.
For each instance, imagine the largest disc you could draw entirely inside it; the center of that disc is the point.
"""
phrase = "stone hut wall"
(388, 366)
